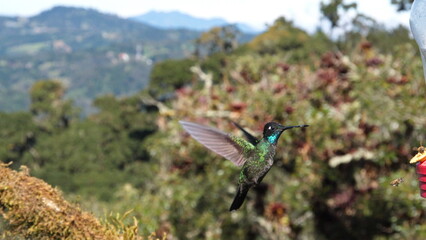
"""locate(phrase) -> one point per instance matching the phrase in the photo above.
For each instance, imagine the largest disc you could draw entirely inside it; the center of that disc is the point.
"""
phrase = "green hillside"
(90, 52)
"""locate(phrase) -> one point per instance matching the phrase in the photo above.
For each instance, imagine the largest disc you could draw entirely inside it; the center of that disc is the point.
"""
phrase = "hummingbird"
(256, 156)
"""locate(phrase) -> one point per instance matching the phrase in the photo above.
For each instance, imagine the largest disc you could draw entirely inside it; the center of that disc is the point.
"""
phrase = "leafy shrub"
(169, 75)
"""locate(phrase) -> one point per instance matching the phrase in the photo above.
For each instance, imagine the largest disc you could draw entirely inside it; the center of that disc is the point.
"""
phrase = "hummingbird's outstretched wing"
(252, 139)
(230, 147)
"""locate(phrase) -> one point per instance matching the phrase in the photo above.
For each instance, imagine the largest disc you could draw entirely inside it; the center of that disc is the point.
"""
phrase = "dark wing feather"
(253, 140)
(229, 147)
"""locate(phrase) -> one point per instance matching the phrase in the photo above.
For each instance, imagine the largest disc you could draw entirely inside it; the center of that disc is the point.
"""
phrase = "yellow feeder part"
(420, 156)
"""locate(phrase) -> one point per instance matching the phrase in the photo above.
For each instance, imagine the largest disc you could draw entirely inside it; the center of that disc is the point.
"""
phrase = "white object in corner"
(418, 27)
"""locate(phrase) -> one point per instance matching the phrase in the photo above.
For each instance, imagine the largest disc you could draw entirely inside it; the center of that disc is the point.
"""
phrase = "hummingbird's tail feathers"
(239, 198)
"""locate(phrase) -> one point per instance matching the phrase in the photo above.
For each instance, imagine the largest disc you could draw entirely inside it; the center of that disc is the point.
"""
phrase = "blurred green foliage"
(217, 39)
(362, 96)
(169, 75)
(281, 36)
(49, 109)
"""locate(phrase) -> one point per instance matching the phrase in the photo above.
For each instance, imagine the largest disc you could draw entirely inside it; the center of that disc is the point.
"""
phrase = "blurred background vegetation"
(362, 94)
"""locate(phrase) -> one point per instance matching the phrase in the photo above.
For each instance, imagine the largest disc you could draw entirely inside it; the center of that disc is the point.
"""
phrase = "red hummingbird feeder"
(421, 172)
(420, 160)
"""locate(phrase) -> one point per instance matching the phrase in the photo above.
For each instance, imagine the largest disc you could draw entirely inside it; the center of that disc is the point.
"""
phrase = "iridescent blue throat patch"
(273, 138)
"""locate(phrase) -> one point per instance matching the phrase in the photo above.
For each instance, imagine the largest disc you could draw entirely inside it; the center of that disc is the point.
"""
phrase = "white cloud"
(254, 12)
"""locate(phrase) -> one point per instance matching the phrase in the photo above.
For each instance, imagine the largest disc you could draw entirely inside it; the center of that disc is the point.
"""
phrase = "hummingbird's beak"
(297, 126)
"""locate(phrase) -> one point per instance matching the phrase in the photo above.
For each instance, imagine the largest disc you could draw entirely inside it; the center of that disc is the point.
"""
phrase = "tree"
(281, 36)
(48, 106)
(169, 75)
(17, 136)
(218, 39)
(330, 11)
(402, 5)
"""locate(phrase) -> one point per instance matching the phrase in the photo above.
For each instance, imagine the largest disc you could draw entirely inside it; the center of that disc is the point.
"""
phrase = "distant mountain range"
(92, 53)
(82, 28)
(175, 19)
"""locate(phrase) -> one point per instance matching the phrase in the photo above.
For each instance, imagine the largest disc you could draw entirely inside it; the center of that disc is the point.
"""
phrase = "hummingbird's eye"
(270, 128)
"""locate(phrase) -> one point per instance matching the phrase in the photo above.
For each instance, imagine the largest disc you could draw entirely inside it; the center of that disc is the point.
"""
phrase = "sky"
(304, 13)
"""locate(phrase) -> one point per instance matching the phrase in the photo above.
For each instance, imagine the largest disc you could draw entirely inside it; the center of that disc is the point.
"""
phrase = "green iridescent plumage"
(256, 156)
(245, 146)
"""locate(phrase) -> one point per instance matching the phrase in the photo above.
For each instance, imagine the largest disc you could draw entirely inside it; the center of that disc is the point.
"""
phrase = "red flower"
(279, 87)
(276, 211)
(230, 89)
(395, 80)
(283, 66)
(327, 75)
(366, 46)
(238, 106)
(289, 109)
(374, 62)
